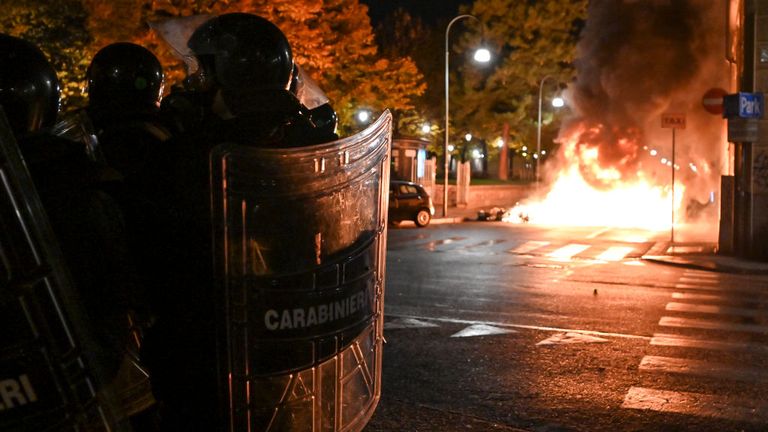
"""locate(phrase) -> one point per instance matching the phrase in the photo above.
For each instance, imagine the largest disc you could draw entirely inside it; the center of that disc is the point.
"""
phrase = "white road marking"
(571, 338)
(568, 251)
(615, 253)
(692, 296)
(481, 330)
(670, 340)
(702, 368)
(684, 249)
(711, 325)
(598, 233)
(726, 289)
(523, 326)
(713, 309)
(697, 404)
(698, 280)
(407, 323)
(528, 246)
(701, 274)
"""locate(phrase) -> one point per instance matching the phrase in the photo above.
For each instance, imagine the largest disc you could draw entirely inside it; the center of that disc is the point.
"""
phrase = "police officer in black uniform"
(75, 193)
(239, 93)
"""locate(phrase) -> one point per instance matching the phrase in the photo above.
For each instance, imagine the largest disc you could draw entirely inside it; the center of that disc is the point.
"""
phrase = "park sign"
(743, 105)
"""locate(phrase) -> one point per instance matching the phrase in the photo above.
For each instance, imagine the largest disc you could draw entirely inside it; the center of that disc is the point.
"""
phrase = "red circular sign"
(713, 100)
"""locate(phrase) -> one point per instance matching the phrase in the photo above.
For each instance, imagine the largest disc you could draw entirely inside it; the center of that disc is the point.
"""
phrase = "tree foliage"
(55, 27)
(529, 40)
(332, 39)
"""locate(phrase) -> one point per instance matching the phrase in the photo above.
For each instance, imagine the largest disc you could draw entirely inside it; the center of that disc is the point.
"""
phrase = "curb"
(448, 220)
(706, 264)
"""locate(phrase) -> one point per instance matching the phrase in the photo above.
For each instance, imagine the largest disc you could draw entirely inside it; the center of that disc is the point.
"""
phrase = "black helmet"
(240, 51)
(124, 75)
(29, 88)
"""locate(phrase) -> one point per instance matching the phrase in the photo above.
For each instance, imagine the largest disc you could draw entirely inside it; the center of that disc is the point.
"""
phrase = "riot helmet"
(125, 75)
(241, 52)
(29, 88)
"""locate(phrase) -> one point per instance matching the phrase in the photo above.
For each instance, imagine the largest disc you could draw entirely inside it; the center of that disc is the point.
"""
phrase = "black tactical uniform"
(74, 190)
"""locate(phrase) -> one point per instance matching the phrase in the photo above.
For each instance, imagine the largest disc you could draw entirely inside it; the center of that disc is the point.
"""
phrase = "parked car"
(409, 201)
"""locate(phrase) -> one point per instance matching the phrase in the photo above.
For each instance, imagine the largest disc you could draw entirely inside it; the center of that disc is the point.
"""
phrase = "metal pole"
(538, 131)
(445, 145)
(672, 231)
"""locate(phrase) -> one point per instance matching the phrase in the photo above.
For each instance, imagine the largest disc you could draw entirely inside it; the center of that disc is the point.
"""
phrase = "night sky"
(429, 10)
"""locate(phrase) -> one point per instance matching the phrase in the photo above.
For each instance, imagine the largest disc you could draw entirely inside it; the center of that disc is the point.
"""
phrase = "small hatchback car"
(409, 201)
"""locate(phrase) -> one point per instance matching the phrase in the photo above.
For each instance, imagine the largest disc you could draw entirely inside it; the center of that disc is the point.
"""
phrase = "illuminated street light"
(363, 116)
(426, 128)
(482, 55)
(557, 100)
(468, 137)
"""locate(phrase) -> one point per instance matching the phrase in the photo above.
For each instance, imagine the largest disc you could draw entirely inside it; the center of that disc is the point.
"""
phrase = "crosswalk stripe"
(701, 368)
(697, 404)
(741, 289)
(712, 309)
(698, 280)
(711, 325)
(615, 253)
(528, 246)
(701, 274)
(670, 340)
(694, 296)
(568, 251)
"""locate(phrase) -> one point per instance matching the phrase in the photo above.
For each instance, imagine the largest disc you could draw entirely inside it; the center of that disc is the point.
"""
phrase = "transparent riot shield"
(78, 127)
(300, 238)
(48, 381)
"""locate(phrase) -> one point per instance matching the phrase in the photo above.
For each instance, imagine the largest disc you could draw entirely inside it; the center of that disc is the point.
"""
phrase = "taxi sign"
(673, 121)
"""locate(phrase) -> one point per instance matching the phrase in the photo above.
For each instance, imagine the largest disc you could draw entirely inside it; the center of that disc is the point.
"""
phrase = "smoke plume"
(637, 59)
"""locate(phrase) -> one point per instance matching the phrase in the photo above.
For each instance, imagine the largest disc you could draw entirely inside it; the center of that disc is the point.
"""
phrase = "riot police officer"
(85, 219)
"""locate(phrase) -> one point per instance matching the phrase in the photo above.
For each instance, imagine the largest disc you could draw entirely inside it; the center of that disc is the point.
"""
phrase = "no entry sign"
(713, 100)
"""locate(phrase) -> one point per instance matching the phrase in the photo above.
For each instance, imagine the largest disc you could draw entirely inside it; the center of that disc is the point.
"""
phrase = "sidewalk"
(699, 256)
(711, 262)
(456, 214)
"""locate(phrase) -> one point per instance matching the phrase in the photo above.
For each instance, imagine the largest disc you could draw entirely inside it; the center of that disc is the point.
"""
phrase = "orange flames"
(591, 188)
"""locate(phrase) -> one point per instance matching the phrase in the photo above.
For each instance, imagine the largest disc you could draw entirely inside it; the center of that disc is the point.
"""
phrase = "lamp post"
(557, 102)
(481, 55)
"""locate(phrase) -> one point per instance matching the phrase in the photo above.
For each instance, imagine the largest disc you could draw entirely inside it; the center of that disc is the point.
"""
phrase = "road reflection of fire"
(636, 61)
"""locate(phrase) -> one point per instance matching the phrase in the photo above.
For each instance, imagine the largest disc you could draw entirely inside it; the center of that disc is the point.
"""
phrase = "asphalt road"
(491, 326)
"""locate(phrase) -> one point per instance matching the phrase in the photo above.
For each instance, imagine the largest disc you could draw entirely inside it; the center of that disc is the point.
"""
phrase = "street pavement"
(693, 256)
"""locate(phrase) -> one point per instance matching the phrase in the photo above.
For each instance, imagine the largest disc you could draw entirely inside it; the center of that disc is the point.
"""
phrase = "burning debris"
(636, 60)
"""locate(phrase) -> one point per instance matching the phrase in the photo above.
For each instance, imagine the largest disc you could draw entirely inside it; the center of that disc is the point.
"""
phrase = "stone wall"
(484, 196)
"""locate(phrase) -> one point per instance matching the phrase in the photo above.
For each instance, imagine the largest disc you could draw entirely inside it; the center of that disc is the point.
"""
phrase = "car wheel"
(422, 218)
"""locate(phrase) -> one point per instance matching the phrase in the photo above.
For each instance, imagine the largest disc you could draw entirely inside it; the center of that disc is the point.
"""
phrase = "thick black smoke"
(637, 59)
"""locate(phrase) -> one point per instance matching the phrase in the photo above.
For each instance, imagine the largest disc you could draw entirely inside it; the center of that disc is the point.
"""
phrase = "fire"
(587, 191)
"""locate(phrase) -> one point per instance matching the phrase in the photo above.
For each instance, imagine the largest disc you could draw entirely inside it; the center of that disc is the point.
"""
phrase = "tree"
(57, 28)
(529, 40)
(401, 34)
(331, 39)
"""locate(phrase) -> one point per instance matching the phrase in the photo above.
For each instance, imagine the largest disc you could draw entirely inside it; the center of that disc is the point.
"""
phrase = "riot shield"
(48, 379)
(78, 127)
(300, 241)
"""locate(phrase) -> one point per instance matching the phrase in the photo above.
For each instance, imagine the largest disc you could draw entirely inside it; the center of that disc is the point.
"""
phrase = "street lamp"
(363, 116)
(557, 103)
(482, 55)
